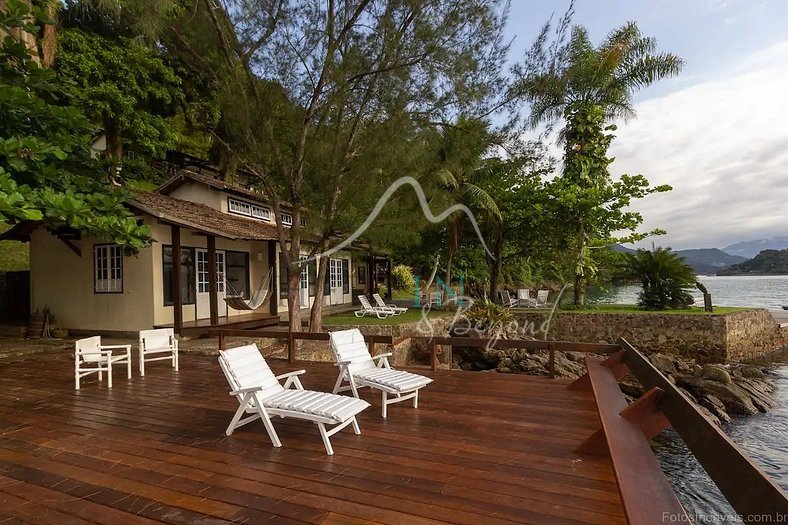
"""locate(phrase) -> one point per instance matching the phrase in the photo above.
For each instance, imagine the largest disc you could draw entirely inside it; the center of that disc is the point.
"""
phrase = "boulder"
(715, 406)
(663, 363)
(697, 371)
(736, 400)
(716, 373)
(752, 372)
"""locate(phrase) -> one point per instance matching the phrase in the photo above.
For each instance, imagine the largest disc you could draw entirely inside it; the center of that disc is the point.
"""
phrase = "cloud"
(722, 144)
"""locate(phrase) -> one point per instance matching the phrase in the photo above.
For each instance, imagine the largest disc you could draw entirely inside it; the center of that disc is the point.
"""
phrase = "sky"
(717, 133)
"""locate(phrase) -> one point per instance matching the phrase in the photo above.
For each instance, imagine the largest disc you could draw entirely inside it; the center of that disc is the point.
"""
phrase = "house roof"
(201, 217)
(185, 175)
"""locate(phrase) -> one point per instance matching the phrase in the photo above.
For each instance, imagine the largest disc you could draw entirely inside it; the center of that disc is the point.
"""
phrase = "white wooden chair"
(359, 369)
(435, 299)
(155, 343)
(393, 307)
(261, 395)
(541, 299)
(91, 357)
(524, 297)
(368, 309)
(506, 299)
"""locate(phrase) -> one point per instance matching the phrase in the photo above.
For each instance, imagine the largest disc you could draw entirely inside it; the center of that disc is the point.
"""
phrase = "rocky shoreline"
(721, 391)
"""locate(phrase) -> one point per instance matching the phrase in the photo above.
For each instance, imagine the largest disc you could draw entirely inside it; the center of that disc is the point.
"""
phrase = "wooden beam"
(389, 293)
(74, 248)
(213, 278)
(177, 300)
(616, 365)
(274, 306)
(370, 277)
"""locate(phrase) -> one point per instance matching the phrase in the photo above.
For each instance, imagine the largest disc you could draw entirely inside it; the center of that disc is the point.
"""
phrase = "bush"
(664, 277)
(402, 278)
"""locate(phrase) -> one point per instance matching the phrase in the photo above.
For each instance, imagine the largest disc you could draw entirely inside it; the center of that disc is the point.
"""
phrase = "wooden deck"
(239, 322)
(481, 448)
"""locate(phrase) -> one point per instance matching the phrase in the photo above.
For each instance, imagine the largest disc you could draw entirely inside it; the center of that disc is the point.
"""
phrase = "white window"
(203, 285)
(304, 274)
(302, 222)
(287, 219)
(261, 212)
(335, 273)
(239, 207)
(108, 268)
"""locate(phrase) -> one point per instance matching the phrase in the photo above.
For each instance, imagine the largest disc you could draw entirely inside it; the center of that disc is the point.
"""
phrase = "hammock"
(259, 298)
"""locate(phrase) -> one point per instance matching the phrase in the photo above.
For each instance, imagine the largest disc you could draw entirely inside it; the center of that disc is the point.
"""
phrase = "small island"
(767, 262)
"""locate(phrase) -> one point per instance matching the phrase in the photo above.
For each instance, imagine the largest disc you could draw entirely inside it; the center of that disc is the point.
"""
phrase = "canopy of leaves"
(46, 172)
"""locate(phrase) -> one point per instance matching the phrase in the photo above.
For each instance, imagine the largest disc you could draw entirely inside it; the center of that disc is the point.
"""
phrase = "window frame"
(247, 267)
(248, 209)
(164, 281)
(288, 222)
(119, 257)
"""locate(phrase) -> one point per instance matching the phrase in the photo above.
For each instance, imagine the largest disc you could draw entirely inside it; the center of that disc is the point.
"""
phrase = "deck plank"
(481, 448)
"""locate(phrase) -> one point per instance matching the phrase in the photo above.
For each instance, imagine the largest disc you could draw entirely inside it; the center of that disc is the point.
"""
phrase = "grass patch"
(14, 255)
(402, 295)
(634, 309)
(411, 316)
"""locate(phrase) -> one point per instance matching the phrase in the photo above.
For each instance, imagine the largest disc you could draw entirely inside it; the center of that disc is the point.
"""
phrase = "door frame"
(202, 300)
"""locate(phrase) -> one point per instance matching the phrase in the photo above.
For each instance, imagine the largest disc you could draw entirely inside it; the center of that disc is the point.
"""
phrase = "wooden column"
(389, 293)
(213, 292)
(370, 278)
(177, 300)
(274, 306)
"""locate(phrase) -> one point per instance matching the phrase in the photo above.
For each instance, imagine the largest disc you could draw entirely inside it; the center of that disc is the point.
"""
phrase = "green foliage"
(46, 172)
(402, 277)
(123, 85)
(664, 277)
(486, 313)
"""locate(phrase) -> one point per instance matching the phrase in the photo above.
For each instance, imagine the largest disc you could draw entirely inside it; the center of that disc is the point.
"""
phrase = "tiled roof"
(203, 218)
(186, 174)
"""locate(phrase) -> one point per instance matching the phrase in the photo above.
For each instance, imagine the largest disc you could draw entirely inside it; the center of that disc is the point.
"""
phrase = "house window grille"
(108, 268)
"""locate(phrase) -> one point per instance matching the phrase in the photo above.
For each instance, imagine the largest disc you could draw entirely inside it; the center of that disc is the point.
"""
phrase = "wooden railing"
(551, 347)
(291, 338)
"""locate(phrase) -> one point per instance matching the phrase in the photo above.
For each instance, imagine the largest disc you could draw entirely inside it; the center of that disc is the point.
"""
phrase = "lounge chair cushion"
(339, 408)
(393, 380)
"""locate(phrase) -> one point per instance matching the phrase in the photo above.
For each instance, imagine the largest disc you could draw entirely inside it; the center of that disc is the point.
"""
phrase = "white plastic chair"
(524, 297)
(368, 309)
(359, 369)
(157, 342)
(91, 357)
(260, 394)
(393, 307)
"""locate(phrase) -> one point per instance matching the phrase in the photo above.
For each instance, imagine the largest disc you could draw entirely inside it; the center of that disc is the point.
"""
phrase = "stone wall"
(706, 337)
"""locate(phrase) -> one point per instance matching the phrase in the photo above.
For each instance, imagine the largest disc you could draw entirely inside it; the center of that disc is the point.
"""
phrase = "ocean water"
(764, 437)
(761, 291)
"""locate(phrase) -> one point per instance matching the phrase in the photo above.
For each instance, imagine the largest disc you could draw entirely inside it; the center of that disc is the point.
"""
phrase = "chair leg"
(339, 381)
(383, 402)
(142, 363)
(109, 373)
(356, 428)
(76, 380)
(101, 374)
(326, 441)
(416, 400)
(175, 359)
(238, 414)
(128, 365)
(269, 427)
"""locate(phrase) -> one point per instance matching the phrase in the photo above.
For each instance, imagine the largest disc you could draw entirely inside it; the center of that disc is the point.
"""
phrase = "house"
(195, 218)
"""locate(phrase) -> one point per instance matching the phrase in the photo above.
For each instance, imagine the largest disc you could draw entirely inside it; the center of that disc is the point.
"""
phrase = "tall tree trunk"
(316, 313)
(579, 290)
(114, 140)
(495, 266)
(294, 297)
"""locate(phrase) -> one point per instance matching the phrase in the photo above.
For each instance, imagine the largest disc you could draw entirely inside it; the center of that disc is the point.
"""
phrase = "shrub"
(664, 277)
(402, 277)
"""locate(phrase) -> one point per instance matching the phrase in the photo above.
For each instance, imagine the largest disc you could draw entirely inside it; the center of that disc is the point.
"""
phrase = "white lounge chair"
(393, 307)
(368, 309)
(435, 299)
(260, 394)
(524, 297)
(359, 369)
(91, 357)
(541, 299)
(155, 343)
(506, 299)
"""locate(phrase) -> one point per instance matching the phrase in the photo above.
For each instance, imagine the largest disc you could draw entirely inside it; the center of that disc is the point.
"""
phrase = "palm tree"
(583, 84)
(461, 166)
(605, 76)
(663, 275)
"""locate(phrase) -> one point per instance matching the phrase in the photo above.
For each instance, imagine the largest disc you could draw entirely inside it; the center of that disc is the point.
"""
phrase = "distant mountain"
(750, 249)
(709, 261)
(622, 249)
(766, 262)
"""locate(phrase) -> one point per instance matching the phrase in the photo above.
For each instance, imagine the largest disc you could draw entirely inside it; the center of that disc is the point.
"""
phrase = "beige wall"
(194, 192)
(64, 281)
(258, 267)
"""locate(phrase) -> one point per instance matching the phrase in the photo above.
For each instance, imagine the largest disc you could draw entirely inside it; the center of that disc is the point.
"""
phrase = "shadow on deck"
(481, 448)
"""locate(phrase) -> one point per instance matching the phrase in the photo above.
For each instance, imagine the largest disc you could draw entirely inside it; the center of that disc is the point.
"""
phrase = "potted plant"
(54, 330)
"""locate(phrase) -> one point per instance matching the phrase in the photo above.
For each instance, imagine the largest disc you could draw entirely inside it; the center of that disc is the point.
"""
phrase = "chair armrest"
(289, 374)
(115, 346)
(379, 356)
(245, 390)
(343, 363)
